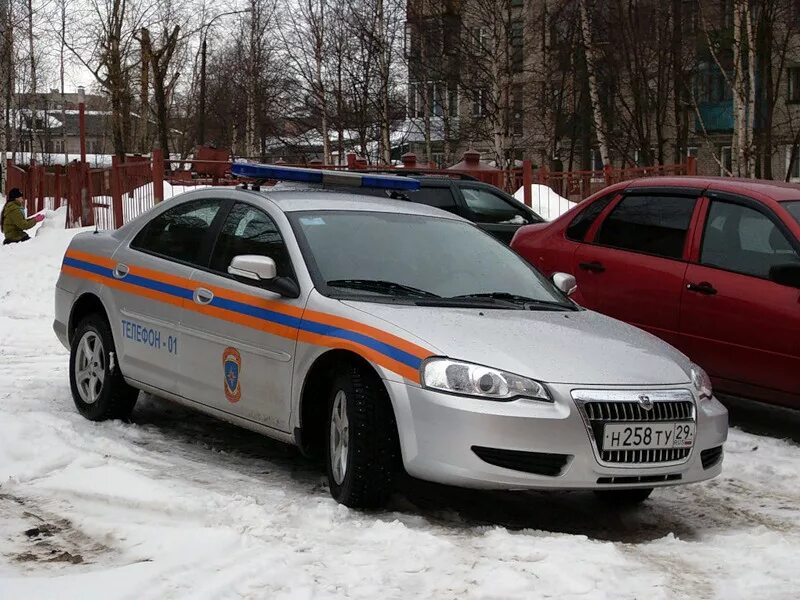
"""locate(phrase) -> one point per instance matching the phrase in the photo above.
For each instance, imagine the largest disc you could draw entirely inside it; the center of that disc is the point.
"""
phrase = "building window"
(793, 80)
(726, 12)
(597, 160)
(452, 100)
(408, 40)
(517, 2)
(479, 103)
(793, 166)
(691, 152)
(480, 38)
(517, 108)
(689, 16)
(517, 51)
(726, 161)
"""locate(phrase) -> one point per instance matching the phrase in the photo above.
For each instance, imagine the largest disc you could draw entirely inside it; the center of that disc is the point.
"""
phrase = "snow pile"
(179, 505)
(545, 201)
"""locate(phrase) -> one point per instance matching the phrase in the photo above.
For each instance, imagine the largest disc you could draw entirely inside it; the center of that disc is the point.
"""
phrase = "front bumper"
(439, 431)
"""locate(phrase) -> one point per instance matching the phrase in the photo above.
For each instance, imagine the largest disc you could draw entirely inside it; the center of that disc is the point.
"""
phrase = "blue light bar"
(328, 178)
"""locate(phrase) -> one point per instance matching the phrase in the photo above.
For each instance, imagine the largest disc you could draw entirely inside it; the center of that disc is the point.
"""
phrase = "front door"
(153, 274)
(633, 267)
(737, 324)
(241, 338)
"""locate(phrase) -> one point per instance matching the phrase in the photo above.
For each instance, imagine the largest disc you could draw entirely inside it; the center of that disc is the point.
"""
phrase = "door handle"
(594, 266)
(203, 296)
(702, 288)
(120, 271)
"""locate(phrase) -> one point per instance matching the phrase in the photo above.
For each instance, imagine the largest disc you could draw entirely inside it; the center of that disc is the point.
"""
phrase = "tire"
(624, 498)
(362, 475)
(98, 388)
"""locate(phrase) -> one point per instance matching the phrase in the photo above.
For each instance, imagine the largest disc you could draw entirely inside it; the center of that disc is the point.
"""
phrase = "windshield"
(794, 209)
(380, 255)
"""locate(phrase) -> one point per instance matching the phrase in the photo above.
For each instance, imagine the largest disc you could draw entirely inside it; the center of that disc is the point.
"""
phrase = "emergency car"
(382, 335)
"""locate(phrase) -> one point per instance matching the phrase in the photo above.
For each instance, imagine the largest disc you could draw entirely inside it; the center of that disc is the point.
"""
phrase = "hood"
(581, 347)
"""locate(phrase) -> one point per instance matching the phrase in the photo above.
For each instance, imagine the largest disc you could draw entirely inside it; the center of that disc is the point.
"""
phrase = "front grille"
(711, 457)
(540, 463)
(613, 412)
(600, 412)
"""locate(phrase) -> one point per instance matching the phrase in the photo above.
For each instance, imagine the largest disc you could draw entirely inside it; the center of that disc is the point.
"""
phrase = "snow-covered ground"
(178, 505)
(545, 201)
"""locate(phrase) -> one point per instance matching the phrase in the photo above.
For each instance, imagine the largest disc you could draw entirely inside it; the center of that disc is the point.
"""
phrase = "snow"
(176, 504)
(546, 202)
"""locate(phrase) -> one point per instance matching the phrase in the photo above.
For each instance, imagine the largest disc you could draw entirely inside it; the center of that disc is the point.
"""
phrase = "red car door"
(634, 264)
(736, 323)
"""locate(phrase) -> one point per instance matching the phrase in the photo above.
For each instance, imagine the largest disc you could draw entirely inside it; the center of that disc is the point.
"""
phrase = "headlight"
(476, 380)
(701, 382)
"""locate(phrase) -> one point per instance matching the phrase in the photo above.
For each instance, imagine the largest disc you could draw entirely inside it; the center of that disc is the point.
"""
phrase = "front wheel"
(97, 385)
(624, 497)
(361, 448)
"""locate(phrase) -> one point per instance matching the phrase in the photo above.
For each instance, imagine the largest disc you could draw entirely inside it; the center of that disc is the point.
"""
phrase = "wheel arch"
(313, 402)
(87, 303)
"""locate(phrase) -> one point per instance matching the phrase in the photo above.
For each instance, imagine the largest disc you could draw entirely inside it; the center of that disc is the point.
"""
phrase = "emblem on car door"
(645, 402)
(232, 366)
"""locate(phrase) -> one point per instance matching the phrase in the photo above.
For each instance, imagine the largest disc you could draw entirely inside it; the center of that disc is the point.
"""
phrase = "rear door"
(241, 338)
(633, 266)
(737, 324)
(154, 272)
(494, 213)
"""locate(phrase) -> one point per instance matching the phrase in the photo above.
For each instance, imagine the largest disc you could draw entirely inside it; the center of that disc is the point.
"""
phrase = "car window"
(178, 232)
(439, 197)
(491, 208)
(794, 209)
(741, 239)
(649, 224)
(581, 224)
(248, 230)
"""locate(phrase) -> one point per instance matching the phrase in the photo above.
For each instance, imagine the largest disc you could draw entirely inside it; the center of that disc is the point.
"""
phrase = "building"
(46, 126)
(510, 78)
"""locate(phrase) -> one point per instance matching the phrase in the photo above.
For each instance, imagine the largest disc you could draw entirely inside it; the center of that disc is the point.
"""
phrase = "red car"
(710, 265)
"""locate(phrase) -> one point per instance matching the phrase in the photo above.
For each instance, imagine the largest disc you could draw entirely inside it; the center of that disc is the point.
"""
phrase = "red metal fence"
(109, 197)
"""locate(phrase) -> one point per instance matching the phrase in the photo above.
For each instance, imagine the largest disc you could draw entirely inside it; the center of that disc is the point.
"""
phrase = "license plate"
(648, 436)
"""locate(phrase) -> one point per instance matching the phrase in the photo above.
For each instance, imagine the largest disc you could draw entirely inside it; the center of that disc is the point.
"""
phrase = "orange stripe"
(255, 322)
(368, 353)
(92, 258)
(381, 336)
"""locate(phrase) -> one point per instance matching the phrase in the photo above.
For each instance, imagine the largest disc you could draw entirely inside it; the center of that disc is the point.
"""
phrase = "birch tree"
(600, 128)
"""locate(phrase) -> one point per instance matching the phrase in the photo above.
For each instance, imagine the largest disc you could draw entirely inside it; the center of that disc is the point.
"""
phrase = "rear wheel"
(97, 385)
(361, 436)
(624, 497)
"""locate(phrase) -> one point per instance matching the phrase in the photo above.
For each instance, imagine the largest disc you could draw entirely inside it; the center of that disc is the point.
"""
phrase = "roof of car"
(317, 199)
(776, 190)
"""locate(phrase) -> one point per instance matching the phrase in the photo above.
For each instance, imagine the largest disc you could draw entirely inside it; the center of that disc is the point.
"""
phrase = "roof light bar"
(329, 178)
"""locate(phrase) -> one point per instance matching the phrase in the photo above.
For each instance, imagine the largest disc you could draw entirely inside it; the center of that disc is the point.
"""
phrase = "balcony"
(716, 117)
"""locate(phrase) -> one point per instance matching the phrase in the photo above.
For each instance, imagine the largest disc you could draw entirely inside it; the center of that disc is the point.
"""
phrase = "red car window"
(581, 224)
(654, 225)
(744, 240)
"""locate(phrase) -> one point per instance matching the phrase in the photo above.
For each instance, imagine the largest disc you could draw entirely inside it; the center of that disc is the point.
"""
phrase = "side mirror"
(262, 269)
(787, 274)
(251, 266)
(565, 282)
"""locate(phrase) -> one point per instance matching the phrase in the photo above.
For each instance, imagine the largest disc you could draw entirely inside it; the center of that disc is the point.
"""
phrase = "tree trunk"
(594, 95)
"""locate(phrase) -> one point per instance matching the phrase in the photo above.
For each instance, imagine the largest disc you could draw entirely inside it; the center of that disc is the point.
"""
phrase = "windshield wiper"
(381, 287)
(518, 299)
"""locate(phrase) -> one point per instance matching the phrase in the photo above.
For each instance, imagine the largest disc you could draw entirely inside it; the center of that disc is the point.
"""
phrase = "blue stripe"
(257, 312)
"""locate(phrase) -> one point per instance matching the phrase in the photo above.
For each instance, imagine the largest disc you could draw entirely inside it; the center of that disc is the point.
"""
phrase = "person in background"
(13, 222)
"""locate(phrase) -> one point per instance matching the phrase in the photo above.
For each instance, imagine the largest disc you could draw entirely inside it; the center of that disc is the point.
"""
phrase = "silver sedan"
(380, 335)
